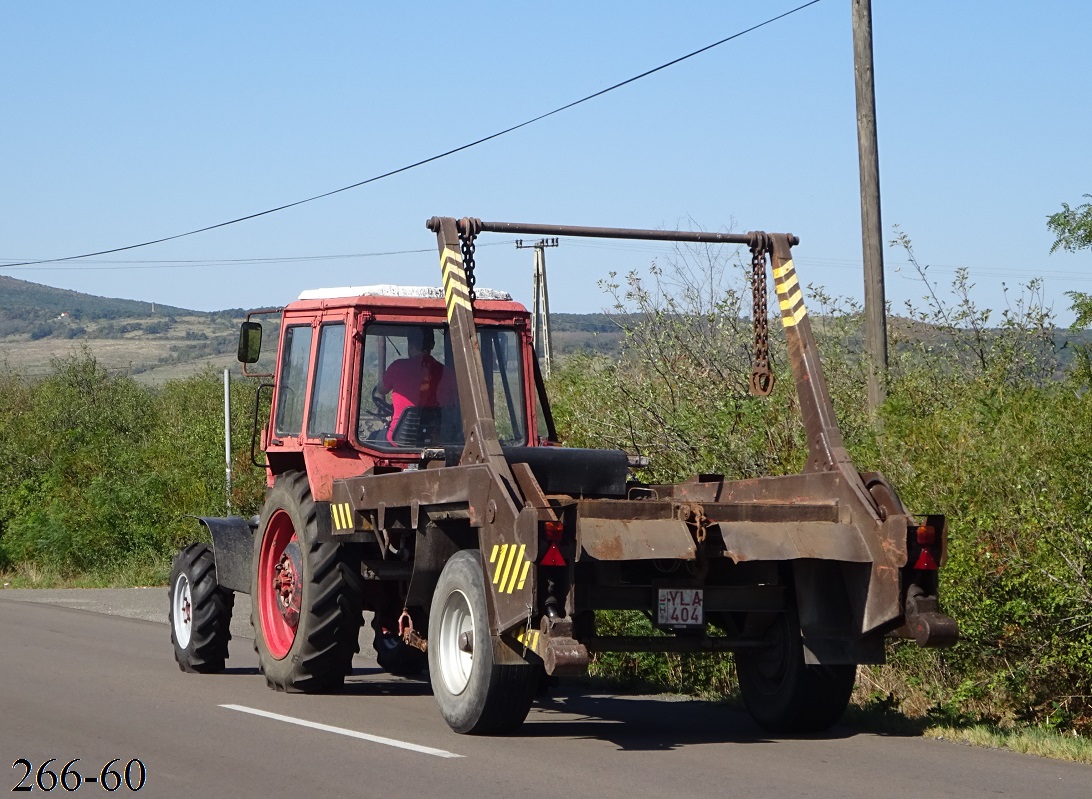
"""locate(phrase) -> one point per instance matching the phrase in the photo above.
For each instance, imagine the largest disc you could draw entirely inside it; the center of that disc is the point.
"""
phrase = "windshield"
(408, 392)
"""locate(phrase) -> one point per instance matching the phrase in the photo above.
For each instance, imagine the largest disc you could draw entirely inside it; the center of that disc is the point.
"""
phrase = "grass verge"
(1039, 741)
(1029, 740)
(135, 572)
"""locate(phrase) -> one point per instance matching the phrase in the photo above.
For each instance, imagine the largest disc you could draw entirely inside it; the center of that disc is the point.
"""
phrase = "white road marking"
(424, 750)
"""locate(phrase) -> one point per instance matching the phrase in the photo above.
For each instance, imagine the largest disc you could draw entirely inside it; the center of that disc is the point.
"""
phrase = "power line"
(206, 262)
(37, 266)
(428, 160)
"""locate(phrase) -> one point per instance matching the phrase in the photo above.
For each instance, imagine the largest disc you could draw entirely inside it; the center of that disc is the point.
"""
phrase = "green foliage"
(588, 323)
(1072, 226)
(703, 675)
(678, 392)
(42, 330)
(101, 471)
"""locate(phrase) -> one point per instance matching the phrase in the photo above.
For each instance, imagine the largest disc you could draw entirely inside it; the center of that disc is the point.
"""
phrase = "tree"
(1072, 226)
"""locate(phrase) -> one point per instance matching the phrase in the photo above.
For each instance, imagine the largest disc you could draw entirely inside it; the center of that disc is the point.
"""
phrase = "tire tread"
(326, 640)
(211, 608)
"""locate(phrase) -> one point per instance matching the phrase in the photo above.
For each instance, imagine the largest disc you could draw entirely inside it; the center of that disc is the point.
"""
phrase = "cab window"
(326, 389)
(409, 394)
(293, 380)
(504, 380)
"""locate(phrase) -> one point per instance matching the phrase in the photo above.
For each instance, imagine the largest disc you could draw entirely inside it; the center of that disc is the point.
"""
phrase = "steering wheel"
(382, 406)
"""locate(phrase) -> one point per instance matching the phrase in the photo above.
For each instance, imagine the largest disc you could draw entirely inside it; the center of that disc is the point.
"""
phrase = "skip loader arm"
(874, 520)
(507, 523)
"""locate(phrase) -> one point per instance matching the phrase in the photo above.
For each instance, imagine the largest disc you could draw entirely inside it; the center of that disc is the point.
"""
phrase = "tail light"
(555, 533)
(927, 543)
(926, 562)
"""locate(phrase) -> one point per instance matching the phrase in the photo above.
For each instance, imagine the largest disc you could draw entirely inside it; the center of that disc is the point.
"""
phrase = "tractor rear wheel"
(199, 611)
(475, 694)
(783, 693)
(306, 595)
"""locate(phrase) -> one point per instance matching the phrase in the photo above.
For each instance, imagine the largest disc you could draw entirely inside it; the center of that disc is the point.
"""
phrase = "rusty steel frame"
(826, 522)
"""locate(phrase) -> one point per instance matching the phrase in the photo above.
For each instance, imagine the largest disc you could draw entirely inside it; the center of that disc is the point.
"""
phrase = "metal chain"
(762, 377)
(466, 239)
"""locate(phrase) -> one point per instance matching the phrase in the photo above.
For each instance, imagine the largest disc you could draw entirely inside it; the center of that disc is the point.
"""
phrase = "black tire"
(314, 653)
(784, 694)
(475, 695)
(199, 611)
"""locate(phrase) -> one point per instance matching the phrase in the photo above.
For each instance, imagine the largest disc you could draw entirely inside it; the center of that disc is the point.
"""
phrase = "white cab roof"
(390, 290)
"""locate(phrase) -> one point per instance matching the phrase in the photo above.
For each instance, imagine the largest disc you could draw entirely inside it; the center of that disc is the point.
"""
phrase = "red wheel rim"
(279, 584)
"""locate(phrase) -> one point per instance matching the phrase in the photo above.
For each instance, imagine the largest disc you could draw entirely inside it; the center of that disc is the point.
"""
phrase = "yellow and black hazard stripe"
(789, 295)
(509, 566)
(342, 513)
(456, 292)
(529, 638)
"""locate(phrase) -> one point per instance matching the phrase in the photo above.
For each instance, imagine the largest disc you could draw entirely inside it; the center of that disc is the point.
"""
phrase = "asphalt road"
(90, 675)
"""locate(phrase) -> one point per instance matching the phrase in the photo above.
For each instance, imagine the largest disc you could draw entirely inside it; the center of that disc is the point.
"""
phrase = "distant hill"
(595, 332)
(157, 342)
(21, 299)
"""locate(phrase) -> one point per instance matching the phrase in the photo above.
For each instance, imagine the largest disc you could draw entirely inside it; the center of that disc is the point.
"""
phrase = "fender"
(233, 548)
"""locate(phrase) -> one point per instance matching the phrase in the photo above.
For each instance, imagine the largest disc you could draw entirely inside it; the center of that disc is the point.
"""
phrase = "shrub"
(101, 470)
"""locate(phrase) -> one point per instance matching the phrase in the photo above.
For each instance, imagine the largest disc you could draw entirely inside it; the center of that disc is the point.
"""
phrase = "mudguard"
(233, 547)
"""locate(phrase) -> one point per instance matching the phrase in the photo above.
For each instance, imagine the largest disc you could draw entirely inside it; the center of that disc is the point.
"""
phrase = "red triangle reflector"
(926, 561)
(553, 557)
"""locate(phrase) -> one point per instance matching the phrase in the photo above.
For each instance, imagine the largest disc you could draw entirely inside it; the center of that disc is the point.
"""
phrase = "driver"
(415, 380)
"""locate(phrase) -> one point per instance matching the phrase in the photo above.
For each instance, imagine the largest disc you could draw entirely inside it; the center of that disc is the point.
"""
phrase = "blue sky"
(125, 122)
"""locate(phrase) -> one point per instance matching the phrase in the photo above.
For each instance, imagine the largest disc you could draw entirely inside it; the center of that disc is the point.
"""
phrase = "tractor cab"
(364, 377)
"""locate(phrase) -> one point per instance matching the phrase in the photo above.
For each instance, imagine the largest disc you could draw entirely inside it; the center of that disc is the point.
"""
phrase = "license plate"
(680, 607)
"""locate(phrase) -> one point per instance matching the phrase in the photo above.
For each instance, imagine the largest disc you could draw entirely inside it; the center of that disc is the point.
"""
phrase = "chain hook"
(469, 228)
(762, 377)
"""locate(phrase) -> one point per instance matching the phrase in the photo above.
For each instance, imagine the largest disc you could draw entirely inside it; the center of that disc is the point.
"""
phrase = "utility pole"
(875, 303)
(540, 306)
(227, 438)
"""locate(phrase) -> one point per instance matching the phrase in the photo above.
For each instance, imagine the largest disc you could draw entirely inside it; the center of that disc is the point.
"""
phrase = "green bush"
(102, 471)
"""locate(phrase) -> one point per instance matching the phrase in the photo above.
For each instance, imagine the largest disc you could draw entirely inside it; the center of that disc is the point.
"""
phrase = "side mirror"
(250, 342)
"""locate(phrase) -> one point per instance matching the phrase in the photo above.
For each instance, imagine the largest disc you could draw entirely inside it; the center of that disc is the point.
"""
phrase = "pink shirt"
(413, 382)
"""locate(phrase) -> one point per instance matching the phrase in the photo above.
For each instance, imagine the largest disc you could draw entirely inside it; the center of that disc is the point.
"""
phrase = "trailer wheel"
(475, 694)
(784, 694)
(199, 611)
(306, 595)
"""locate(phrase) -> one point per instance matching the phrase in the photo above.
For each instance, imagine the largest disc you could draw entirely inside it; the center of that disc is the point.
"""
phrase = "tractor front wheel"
(306, 595)
(199, 611)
